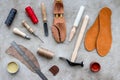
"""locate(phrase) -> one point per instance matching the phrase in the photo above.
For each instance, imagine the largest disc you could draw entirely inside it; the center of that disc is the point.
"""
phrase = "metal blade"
(45, 29)
(38, 37)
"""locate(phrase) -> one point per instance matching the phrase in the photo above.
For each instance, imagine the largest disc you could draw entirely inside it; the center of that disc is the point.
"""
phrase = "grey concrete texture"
(110, 68)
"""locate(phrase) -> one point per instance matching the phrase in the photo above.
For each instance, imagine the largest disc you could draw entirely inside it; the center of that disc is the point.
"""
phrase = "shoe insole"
(91, 36)
(104, 39)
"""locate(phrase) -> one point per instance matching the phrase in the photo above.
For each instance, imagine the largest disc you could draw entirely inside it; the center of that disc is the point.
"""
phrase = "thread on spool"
(31, 14)
(10, 17)
(45, 53)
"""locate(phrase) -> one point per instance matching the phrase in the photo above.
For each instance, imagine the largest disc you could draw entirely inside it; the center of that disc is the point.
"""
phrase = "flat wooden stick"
(80, 36)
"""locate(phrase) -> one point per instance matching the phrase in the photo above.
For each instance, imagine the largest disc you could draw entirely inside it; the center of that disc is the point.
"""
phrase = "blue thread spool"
(11, 17)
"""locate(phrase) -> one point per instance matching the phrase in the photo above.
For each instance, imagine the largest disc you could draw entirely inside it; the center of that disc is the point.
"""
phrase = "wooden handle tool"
(24, 23)
(44, 16)
(80, 36)
(43, 10)
(20, 33)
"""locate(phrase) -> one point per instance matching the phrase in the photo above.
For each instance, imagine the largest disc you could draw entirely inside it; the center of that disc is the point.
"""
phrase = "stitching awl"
(24, 23)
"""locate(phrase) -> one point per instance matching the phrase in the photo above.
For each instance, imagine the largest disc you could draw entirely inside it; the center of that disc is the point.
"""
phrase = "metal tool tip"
(27, 37)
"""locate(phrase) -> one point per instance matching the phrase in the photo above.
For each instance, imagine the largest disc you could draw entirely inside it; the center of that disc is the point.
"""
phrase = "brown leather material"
(11, 51)
(91, 36)
(99, 36)
(54, 70)
(59, 26)
(104, 39)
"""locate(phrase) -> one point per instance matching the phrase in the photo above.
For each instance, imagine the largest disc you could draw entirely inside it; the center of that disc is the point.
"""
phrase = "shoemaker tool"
(44, 16)
(59, 23)
(80, 36)
(24, 23)
(20, 33)
(28, 59)
(76, 22)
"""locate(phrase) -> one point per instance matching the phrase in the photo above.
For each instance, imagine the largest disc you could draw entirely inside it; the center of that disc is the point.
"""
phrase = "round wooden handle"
(43, 12)
(27, 26)
(18, 32)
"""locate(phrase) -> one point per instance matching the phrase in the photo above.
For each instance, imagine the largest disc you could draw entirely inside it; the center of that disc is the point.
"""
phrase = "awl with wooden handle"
(76, 22)
(20, 33)
(44, 16)
(24, 23)
(80, 36)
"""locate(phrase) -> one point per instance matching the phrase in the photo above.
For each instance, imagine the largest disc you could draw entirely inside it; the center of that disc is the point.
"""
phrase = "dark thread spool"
(10, 17)
(31, 14)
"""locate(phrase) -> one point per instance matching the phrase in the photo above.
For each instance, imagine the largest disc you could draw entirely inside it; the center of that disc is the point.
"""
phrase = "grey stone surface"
(110, 64)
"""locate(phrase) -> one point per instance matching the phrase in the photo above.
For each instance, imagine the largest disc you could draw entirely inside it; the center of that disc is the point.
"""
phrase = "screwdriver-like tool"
(24, 23)
(20, 33)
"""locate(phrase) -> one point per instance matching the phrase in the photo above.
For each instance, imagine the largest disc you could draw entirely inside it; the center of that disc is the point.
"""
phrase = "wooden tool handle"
(79, 16)
(43, 12)
(18, 32)
(80, 36)
(27, 26)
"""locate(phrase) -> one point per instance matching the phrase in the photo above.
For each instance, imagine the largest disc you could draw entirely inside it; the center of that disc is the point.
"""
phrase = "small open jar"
(95, 67)
(12, 67)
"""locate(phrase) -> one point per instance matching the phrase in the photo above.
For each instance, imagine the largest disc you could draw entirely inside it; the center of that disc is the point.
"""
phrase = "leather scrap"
(59, 26)
(54, 70)
(11, 51)
(99, 36)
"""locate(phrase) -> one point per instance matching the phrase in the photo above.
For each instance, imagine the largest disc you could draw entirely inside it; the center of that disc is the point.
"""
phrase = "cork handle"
(27, 27)
(43, 12)
(18, 32)
(80, 36)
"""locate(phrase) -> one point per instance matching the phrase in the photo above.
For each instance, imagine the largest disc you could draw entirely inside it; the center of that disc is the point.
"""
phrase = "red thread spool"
(95, 67)
(31, 14)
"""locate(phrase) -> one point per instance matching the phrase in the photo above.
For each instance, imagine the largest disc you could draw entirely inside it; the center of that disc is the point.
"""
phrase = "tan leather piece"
(104, 39)
(11, 51)
(91, 36)
(99, 36)
(59, 26)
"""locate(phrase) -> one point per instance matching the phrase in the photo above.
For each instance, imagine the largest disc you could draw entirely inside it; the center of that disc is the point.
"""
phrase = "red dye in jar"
(31, 14)
(95, 67)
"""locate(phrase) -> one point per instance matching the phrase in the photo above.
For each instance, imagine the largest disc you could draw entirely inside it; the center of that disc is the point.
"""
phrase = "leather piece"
(11, 51)
(54, 70)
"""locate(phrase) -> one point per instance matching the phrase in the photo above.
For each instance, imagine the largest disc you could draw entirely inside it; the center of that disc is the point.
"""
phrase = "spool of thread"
(10, 17)
(31, 14)
(45, 53)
